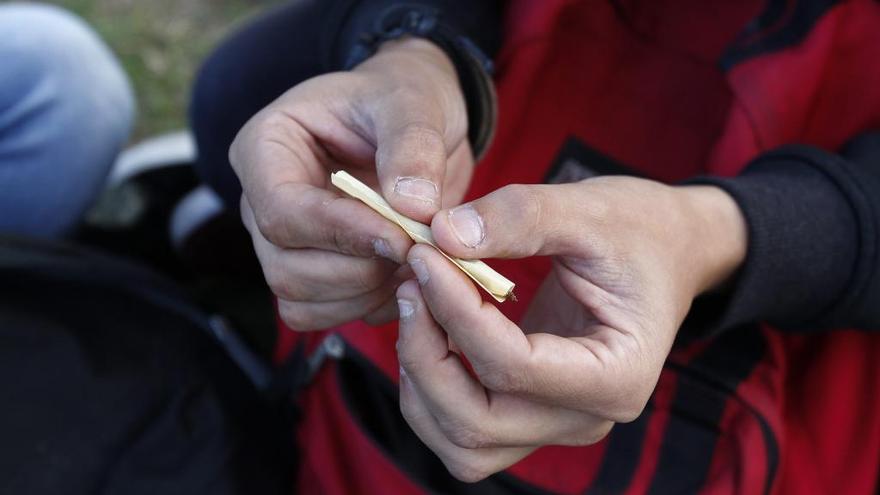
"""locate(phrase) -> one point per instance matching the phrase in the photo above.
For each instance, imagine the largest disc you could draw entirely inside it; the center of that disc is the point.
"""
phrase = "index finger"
(293, 209)
(298, 215)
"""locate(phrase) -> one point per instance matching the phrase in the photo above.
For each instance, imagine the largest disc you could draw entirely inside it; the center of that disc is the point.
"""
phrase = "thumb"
(411, 163)
(516, 221)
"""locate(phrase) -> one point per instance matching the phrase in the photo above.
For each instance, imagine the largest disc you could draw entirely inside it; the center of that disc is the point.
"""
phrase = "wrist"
(408, 57)
(719, 232)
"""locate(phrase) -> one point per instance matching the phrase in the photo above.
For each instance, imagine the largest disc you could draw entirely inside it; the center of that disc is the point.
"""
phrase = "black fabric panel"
(373, 401)
(772, 446)
(702, 392)
(622, 456)
(111, 384)
(763, 36)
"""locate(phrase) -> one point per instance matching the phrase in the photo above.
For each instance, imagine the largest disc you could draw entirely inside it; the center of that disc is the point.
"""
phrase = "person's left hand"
(630, 256)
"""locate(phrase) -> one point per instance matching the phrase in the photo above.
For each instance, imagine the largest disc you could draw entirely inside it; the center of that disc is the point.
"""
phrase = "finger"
(515, 221)
(470, 416)
(313, 275)
(319, 275)
(597, 374)
(302, 216)
(468, 465)
(411, 155)
(308, 316)
(459, 171)
(386, 313)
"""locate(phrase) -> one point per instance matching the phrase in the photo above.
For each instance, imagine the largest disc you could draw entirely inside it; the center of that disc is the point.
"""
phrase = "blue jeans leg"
(66, 110)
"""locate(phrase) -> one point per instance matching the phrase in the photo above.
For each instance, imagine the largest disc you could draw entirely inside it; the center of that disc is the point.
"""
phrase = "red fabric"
(649, 93)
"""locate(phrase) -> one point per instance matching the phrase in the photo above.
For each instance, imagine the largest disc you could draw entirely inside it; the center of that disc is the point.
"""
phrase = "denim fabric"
(66, 109)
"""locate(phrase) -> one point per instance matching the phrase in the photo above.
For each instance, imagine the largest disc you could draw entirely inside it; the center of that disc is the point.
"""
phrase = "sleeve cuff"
(806, 214)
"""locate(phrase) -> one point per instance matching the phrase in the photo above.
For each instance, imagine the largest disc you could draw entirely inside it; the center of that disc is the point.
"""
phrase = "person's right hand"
(397, 122)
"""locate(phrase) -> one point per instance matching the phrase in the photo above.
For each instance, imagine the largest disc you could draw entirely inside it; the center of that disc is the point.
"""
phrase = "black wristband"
(473, 67)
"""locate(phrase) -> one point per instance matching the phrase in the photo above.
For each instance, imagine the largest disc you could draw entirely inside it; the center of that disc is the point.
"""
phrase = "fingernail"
(402, 372)
(417, 188)
(421, 270)
(467, 225)
(382, 249)
(405, 308)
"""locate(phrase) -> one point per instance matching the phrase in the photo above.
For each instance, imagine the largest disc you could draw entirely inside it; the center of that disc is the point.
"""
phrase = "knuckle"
(525, 197)
(468, 472)
(284, 286)
(424, 144)
(268, 124)
(408, 94)
(296, 318)
(506, 378)
(270, 222)
(591, 436)
(627, 413)
(528, 202)
(627, 409)
(500, 381)
(599, 208)
(342, 241)
(408, 411)
(271, 122)
(409, 362)
(423, 137)
(467, 436)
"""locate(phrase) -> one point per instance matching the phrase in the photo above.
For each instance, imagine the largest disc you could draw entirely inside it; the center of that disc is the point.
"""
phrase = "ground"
(161, 44)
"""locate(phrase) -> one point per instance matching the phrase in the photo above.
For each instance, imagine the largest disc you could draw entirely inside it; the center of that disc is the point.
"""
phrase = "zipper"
(332, 347)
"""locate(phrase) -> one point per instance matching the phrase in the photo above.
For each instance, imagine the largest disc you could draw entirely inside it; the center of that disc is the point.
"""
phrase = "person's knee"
(66, 110)
(55, 58)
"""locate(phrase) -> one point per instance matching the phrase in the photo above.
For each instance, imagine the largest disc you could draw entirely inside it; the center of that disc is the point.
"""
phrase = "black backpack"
(113, 383)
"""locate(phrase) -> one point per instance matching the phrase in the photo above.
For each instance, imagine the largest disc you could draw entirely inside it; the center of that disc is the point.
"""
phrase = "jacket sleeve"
(477, 20)
(813, 259)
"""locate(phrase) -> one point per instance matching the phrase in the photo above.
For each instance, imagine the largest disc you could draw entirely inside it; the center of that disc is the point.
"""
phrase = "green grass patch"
(161, 44)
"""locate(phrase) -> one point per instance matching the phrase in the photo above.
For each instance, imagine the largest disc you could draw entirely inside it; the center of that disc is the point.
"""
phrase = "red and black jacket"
(774, 386)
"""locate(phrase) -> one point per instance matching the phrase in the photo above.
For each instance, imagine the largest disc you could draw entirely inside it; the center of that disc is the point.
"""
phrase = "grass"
(161, 44)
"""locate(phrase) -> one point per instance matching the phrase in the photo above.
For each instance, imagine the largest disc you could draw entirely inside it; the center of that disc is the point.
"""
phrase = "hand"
(630, 255)
(397, 121)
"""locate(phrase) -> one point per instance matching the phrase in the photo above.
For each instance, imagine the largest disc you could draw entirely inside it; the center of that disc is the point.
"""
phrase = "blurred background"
(161, 44)
(153, 209)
